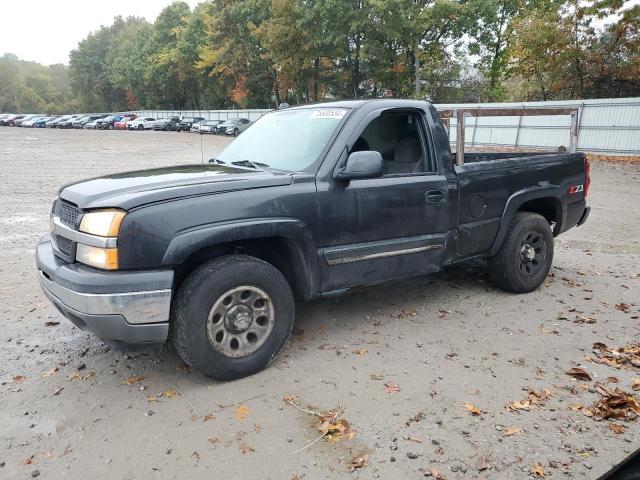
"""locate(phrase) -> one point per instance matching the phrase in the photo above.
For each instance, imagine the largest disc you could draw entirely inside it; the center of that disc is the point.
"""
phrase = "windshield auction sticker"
(332, 113)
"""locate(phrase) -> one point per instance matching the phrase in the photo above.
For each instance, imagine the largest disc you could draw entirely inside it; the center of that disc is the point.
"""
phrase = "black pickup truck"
(308, 200)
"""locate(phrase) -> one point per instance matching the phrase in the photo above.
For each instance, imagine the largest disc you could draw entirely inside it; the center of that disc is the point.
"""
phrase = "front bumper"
(127, 310)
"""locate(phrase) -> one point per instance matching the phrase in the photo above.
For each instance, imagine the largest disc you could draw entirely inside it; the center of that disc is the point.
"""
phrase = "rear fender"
(521, 197)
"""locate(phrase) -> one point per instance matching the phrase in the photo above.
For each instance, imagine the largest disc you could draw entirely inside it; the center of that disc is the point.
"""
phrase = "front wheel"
(232, 316)
(525, 257)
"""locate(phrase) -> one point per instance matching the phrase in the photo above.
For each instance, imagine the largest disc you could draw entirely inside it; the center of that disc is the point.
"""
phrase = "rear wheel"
(140, 127)
(525, 257)
(232, 316)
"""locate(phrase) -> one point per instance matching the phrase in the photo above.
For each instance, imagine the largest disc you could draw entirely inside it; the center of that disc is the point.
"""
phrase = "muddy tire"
(526, 254)
(232, 316)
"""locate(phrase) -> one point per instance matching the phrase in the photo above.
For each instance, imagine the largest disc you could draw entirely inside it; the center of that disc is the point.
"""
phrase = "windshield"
(286, 140)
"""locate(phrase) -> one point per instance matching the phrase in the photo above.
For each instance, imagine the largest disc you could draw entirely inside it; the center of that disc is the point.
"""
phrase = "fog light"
(104, 258)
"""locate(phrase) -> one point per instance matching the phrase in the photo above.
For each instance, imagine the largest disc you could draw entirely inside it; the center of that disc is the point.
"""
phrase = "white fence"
(605, 125)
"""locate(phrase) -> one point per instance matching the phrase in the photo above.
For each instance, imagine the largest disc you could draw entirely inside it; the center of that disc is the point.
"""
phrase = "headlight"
(105, 258)
(104, 223)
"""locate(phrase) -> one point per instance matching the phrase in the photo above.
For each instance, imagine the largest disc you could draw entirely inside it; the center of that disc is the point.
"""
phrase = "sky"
(45, 31)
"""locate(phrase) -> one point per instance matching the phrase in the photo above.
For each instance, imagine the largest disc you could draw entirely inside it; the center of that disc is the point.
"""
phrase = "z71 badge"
(576, 189)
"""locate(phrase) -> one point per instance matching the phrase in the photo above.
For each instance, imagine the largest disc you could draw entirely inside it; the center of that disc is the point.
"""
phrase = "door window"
(397, 135)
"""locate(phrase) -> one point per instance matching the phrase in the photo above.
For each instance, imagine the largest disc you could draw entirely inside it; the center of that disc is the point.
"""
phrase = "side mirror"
(367, 164)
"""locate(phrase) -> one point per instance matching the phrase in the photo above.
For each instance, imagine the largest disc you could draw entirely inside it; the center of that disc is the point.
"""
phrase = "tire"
(140, 127)
(197, 334)
(110, 127)
(236, 133)
(526, 254)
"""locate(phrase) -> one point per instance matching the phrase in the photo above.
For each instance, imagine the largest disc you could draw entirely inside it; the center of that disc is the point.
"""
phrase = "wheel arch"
(548, 201)
(287, 244)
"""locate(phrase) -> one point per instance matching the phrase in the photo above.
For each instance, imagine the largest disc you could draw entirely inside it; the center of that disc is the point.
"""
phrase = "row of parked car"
(233, 126)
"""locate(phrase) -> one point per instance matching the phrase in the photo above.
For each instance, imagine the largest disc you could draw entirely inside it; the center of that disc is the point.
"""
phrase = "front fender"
(519, 198)
(190, 241)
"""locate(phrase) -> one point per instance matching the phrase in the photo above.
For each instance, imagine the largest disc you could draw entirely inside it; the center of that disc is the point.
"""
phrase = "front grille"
(67, 213)
(64, 245)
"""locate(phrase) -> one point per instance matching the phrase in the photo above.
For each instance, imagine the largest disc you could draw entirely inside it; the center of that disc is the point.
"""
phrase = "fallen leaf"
(196, 456)
(169, 393)
(375, 376)
(57, 391)
(482, 463)
(257, 427)
(547, 332)
(391, 387)
(623, 307)
(208, 416)
(28, 460)
(19, 378)
(67, 450)
(358, 462)
(51, 323)
(538, 471)
(411, 312)
(213, 440)
(579, 373)
(472, 409)
(613, 380)
(617, 428)
(328, 346)
(51, 372)
(133, 380)
(48, 453)
(635, 384)
(152, 398)
(361, 351)
(516, 405)
(414, 439)
(244, 448)
(513, 431)
(241, 412)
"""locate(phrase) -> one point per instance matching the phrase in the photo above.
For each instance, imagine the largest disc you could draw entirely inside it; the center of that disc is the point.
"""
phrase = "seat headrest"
(408, 151)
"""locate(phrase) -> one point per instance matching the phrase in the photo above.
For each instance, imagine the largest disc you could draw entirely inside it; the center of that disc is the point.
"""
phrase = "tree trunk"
(416, 66)
(316, 78)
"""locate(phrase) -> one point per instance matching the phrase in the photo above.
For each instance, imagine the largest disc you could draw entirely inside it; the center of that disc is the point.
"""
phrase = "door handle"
(435, 197)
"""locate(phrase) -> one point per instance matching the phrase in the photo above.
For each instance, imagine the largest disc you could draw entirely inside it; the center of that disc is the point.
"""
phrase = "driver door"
(377, 229)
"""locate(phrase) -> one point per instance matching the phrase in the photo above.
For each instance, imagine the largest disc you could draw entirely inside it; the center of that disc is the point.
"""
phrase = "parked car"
(19, 122)
(233, 126)
(209, 126)
(185, 123)
(42, 123)
(54, 122)
(219, 252)
(68, 123)
(92, 124)
(9, 121)
(3, 117)
(29, 123)
(82, 121)
(195, 127)
(122, 123)
(107, 123)
(166, 124)
(141, 123)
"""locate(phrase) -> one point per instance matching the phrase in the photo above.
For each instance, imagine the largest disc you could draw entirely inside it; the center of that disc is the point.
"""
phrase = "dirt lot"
(400, 360)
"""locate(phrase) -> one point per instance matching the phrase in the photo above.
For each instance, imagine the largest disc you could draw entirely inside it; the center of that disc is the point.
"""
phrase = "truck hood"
(133, 189)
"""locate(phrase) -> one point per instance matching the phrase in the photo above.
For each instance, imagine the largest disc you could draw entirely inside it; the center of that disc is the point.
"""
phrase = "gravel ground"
(400, 360)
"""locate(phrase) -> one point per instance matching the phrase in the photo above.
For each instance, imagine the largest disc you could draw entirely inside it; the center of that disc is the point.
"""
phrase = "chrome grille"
(67, 213)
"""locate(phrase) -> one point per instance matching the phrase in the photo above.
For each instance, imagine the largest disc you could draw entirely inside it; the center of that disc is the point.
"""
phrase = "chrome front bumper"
(151, 306)
(129, 310)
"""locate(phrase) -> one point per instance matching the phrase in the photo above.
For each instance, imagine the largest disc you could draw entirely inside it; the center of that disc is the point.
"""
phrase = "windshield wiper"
(249, 163)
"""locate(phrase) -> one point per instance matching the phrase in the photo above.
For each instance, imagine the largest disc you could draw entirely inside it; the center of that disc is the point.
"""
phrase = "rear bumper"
(585, 216)
(127, 310)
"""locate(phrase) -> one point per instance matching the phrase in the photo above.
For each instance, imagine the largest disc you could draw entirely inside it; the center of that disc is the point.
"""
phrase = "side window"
(398, 136)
